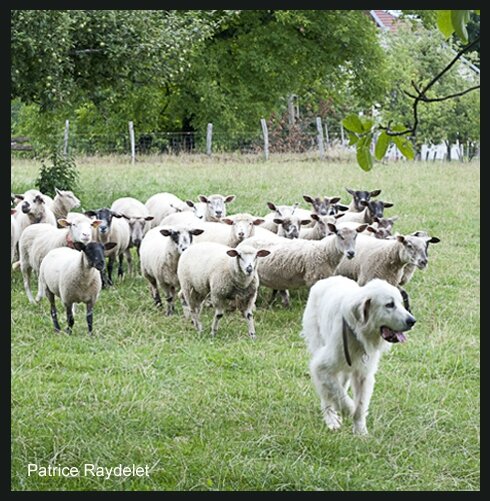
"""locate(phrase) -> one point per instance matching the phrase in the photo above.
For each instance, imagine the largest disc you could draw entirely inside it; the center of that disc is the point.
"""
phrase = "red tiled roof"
(385, 20)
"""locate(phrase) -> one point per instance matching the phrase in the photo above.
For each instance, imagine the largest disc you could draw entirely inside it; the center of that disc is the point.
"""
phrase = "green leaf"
(353, 123)
(477, 12)
(444, 22)
(364, 158)
(405, 146)
(458, 19)
(353, 138)
(367, 124)
(381, 145)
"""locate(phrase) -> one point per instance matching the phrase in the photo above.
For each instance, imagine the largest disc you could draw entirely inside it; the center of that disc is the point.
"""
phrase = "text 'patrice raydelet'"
(88, 470)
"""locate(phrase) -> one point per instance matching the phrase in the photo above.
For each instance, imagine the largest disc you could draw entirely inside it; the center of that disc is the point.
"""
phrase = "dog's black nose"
(411, 321)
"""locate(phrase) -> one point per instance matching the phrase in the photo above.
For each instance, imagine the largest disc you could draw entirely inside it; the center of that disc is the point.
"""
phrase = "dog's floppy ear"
(362, 311)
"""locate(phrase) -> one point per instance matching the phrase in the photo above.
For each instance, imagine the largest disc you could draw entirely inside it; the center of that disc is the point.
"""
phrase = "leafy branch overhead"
(362, 131)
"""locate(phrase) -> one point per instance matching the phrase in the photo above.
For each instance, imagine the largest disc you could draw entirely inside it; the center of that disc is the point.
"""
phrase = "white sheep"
(74, 276)
(409, 269)
(32, 210)
(14, 235)
(114, 227)
(38, 239)
(278, 211)
(138, 219)
(63, 202)
(320, 230)
(224, 274)
(300, 263)
(160, 252)
(215, 206)
(163, 204)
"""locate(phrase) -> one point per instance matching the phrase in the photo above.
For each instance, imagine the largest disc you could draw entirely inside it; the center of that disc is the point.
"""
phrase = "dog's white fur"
(365, 310)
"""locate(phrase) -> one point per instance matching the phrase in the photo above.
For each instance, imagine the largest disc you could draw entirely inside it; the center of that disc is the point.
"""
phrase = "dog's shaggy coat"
(347, 327)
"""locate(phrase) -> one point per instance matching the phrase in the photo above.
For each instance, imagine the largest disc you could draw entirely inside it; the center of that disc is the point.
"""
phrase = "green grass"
(232, 414)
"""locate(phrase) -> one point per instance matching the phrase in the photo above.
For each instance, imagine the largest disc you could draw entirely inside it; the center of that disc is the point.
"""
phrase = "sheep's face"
(82, 230)
(386, 222)
(69, 200)
(291, 226)
(137, 227)
(345, 239)
(322, 206)
(415, 248)
(334, 209)
(105, 215)
(216, 205)
(242, 228)
(181, 238)
(376, 208)
(199, 208)
(360, 198)
(282, 210)
(246, 258)
(94, 252)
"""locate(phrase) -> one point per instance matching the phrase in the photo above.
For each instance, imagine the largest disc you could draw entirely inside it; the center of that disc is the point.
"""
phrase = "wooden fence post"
(327, 138)
(265, 133)
(65, 140)
(342, 140)
(319, 128)
(209, 139)
(131, 139)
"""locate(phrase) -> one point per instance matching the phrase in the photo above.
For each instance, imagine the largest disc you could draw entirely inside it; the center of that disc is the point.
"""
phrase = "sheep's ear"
(12, 212)
(190, 203)
(400, 238)
(90, 213)
(196, 231)
(96, 223)
(332, 227)
(337, 216)
(256, 222)
(79, 246)
(232, 253)
(388, 204)
(434, 240)
(227, 221)
(271, 206)
(308, 199)
(63, 223)
(58, 192)
(374, 193)
(361, 228)
(371, 229)
(149, 218)
(229, 199)
(118, 214)
(350, 191)
(263, 252)
(278, 221)
(342, 207)
(109, 245)
(305, 221)
(315, 217)
(204, 199)
(334, 200)
(165, 232)
(20, 197)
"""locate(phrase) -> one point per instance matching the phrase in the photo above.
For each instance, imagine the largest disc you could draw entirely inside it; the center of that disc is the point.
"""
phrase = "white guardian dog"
(347, 328)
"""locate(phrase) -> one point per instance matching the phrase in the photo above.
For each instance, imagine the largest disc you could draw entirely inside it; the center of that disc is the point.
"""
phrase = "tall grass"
(232, 414)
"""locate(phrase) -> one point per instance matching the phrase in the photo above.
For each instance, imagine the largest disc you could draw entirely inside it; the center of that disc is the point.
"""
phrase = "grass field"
(232, 414)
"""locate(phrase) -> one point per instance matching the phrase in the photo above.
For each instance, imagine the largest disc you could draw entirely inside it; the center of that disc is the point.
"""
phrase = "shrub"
(61, 173)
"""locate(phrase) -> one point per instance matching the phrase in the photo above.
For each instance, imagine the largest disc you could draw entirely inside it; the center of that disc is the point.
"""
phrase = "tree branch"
(421, 97)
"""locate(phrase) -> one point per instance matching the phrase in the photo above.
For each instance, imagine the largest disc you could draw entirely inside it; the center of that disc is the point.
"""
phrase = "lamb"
(224, 274)
(38, 239)
(74, 277)
(159, 255)
(301, 263)
(32, 210)
(385, 259)
(372, 209)
(138, 219)
(359, 197)
(14, 235)
(115, 228)
(63, 202)
(215, 206)
(161, 205)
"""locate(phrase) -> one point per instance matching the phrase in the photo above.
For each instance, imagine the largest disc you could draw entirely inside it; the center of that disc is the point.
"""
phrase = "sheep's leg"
(250, 321)
(185, 306)
(120, 269)
(90, 316)
(218, 315)
(273, 296)
(285, 298)
(195, 310)
(110, 267)
(129, 259)
(362, 387)
(170, 300)
(54, 314)
(26, 274)
(69, 317)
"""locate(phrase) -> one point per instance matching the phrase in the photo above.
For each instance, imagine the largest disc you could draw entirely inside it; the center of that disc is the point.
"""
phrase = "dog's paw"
(332, 419)
(360, 429)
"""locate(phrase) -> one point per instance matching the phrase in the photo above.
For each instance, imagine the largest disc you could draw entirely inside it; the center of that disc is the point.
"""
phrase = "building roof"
(384, 19)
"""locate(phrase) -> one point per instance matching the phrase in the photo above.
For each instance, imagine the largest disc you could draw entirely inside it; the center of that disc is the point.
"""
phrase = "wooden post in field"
(327, 138)
(342, 134)
(65, 140)
(131, 139)
(209, 139)
(265, 133)
(319, 128)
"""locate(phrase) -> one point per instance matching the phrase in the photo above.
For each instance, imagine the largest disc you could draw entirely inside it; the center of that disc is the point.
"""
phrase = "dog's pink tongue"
(401, 337)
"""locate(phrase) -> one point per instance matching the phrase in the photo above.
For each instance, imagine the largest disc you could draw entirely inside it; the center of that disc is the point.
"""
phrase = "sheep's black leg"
(69, 317)
(110, 267)
(90, 316)
(120, 271)
(54, 314)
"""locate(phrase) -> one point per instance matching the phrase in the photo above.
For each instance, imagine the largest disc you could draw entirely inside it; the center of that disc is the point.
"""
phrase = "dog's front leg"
(362, 387)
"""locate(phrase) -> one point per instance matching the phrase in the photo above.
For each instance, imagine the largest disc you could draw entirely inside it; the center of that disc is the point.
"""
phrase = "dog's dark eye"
(390, 305)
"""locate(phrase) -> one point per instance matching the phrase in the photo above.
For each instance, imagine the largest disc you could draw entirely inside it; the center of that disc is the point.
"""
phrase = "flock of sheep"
(195, 251)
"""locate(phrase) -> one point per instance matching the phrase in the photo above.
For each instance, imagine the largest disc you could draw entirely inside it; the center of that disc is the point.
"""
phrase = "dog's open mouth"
(391, 336)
